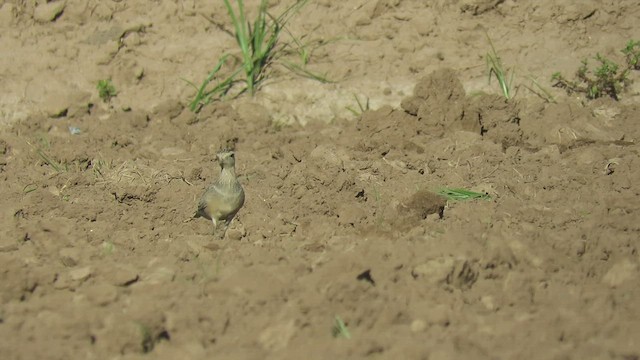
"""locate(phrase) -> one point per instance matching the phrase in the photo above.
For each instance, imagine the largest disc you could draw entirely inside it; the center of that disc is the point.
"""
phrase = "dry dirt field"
(100, 259)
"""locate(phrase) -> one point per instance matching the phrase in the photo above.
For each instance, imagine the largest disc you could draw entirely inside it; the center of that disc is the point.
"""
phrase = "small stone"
(439, 315)
(102, 294)
(620, 273)
(187, 117)
(55, 104)
(7, 244)
(107, 52)
(235, 234)
(131, 40)
(47, 12)
(277, 337)
(63, 281)
(418, 325)
(124, 276)
(328, 156)
(172, 151)
(7, 14)
(434, 271)
(70, 257)
(252, 112)
(170, 108)
(160, 275)
(420, 205)
(80, 274)
(190, 350)
(489, 302)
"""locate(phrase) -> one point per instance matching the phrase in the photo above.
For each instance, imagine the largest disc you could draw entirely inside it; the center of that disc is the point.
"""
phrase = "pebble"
(277, 337)
(620, 273)
(101, 294)
(439, 315)
(160, 275)
(47, 12)
(80, 274)
(7, 244)
(418, 325)
(70, 257)
(434, 271)
(489, 302)
(124, 276)
(172, 151)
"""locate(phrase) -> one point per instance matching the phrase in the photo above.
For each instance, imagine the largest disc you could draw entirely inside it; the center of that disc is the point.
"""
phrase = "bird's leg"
(227, 223)
(224, 232)
(215, 226)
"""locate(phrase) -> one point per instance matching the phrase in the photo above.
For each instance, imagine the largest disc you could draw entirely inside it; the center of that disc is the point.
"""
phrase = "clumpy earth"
(101, 259)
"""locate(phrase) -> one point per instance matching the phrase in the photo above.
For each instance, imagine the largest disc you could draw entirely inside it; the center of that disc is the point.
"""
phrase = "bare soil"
(100, 258)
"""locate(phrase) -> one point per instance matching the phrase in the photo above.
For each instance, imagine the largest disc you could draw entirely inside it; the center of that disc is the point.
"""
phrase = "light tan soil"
(100, 259)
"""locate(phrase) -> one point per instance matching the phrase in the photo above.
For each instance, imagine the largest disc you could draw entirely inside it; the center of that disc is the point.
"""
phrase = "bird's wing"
(202, 208)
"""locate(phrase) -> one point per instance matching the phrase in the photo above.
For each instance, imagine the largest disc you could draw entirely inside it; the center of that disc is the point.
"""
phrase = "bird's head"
(226, 158)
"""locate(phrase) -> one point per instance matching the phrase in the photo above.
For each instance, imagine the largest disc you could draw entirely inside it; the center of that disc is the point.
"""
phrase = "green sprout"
(362, 107)
(106, 90)
(339, 328)
(632, 54)
(496, 68)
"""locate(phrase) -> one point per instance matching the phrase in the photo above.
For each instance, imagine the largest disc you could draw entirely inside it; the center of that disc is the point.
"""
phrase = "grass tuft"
(362, 107)
(204, 95)
(540, 90)
(496, 68)
(260, 46)
(58, 167)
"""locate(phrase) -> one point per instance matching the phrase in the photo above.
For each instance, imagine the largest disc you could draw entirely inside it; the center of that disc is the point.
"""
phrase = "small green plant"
(108, 247)
(339, 328)
(632, 54)
(607, 78)
(496, 68)
(41, 146)
(257, 44)
(204, 94)
(540, 90)
(304, 51)
(362, 107)
(106, 90)
(260, 46)
(462, 194)
(57, 166)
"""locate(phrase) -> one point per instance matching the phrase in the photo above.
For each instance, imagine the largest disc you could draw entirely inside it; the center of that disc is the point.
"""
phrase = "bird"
(222, 200)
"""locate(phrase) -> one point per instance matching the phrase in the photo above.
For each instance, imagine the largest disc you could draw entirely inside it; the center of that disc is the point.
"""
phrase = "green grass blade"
(340, 328)
(202, 91)
(306, 73)
(56, 166)
(458, 194)
(495, 67)
(243, 32)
